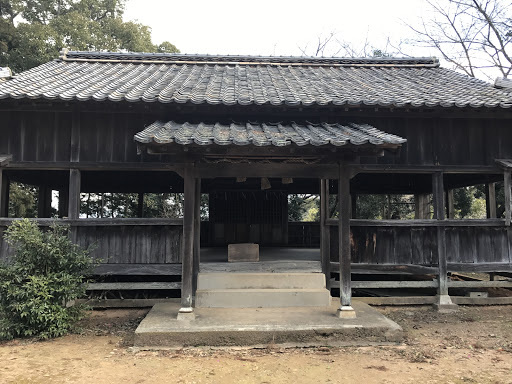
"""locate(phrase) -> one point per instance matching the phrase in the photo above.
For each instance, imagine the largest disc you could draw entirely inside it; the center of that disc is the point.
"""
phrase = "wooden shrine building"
(248, 131)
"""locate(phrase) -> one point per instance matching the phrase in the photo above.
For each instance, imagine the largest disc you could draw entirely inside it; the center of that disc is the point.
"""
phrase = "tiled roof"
(252, 80)
(262, 134)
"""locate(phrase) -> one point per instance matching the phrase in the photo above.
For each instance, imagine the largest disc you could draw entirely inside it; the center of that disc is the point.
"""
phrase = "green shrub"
(44, 275)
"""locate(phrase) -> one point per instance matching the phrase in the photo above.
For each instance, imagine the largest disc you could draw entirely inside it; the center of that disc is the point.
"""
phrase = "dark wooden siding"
(438, 141)
(124, 243)
(417, 244)
(108, 137)
(133, 244)
(36, 136)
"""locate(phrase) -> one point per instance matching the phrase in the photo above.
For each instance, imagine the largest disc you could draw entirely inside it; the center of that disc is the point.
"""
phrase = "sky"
(274, 27)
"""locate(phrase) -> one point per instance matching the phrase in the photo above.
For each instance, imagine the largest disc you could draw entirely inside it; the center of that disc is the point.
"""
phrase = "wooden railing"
(121, 241)
(414, 242)
(475, 245)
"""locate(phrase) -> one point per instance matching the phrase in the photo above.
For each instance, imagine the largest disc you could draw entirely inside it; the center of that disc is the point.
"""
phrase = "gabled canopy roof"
(252, 80)
(258, 134)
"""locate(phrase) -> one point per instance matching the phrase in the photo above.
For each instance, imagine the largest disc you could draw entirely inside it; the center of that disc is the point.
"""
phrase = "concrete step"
(260, 281)
(262, 298)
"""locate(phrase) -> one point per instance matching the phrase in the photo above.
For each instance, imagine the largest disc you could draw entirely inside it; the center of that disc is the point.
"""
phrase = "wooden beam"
(490, 200)
(402, 284)
(129, 286)
(197, 232)
(481, 284)
(508, 199)
(74, 194)
(327, 171)
(123, 303)
(424, 169)
(480, 267)
(97, 166)
(138, 269)
(325, 251)
(344, 202)
(106, 222)
(188, 240)
(424, 300)
(399, 269)
(423, 223)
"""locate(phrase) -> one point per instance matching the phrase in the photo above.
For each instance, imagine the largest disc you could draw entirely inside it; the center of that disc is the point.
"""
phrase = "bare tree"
(473, 35)
(331, 45)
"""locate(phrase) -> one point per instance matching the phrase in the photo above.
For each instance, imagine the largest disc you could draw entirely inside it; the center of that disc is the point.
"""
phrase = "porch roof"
(264, 134)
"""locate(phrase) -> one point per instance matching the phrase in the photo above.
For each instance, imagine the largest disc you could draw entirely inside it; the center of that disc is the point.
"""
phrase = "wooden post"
(63, 202)
(74, 200)
(197, 232)
(187, 263)
(508, 199)
(444, 302)
(74, 194)
(325, 252)
(140, 205)
(421, 210)
(44, 201)
(450, 206)
(490, 200)
(344, 201)
(4, 194)
(353, 207)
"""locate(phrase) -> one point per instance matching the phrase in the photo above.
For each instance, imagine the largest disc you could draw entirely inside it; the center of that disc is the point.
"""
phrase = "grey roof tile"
(264, 134)
(253, 80)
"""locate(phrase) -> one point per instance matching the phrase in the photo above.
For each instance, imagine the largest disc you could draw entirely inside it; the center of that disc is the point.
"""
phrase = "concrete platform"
(260, 327)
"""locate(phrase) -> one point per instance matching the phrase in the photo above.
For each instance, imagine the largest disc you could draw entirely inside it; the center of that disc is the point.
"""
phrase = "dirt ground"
(471, 346)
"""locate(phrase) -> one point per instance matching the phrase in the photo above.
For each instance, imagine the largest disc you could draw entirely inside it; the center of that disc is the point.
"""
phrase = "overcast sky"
(273, 27)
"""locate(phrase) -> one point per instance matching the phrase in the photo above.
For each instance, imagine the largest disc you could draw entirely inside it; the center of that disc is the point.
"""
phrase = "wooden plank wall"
(107, 137)
(46, 136)
(126, 244)
(148, 244)
(417, 244)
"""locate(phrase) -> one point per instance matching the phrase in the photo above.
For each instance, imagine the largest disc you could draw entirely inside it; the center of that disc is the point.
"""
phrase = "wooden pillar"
(490, 200)
(450, 204)
(4, 194)
(444, 302)
(63, 202)
(507, 185)
(140, 205)
(325, 251)
(187, 262)
(74, 200)
(74, 194)
(353, 207)
(197, 233)
(344, 201)
(421, 209)
(44, 201)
